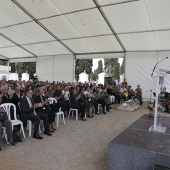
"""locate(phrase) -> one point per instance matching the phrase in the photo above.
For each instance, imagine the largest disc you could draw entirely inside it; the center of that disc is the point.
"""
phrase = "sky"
(95, 62)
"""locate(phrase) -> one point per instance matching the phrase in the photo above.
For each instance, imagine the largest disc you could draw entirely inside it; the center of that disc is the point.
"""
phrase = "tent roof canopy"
(85, 28)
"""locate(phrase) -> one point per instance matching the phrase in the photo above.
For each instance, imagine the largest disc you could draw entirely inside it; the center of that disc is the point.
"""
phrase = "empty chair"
(73, 111)
(59, 113)
(101, 106)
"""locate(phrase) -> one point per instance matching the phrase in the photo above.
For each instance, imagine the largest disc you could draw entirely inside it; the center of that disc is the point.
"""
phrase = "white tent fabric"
(139, 67)
(55, 68)
(80, 27)
(85, 29)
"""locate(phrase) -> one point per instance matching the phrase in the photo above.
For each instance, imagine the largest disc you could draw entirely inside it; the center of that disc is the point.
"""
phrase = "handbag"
(3, 116)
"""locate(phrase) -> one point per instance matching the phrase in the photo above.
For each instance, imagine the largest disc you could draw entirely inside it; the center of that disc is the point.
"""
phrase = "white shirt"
(66, 95)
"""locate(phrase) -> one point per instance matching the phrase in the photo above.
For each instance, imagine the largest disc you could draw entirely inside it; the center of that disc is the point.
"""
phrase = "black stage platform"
(138, 149)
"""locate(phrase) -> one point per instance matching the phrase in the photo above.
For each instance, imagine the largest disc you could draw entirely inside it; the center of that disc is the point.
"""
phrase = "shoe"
(90, 116)
(47, 133)
(51, 131)
(11, 143)
(84, 119)
(104, 113)
(97, 113)
(37, 136)
(108, 110)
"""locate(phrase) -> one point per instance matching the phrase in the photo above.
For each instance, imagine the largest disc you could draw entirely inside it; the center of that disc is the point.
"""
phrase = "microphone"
(157, 64)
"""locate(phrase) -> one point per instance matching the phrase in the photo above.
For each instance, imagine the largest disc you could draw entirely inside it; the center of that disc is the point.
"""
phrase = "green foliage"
(122, 68)
(21, 67)
(112, 67)
(94, 75)
(83, 64)
(100, 66)
(3, 62)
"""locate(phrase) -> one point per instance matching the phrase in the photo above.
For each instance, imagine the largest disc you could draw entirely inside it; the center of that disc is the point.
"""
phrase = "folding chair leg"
(22, 129)
(63, 120)
(30, 128)
(76, 115)
(69, 114)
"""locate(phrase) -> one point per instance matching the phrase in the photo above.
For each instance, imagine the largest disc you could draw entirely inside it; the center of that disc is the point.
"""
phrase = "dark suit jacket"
(73, 101)
(38, 100)
(26, 110)
(15, 100)
(6, 99)
(2, 101)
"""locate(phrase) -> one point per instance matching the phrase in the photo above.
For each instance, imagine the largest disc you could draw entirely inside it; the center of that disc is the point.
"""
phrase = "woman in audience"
(110, 92)
(49, 92)
(77, 102)
(90, 101)
(45, 108)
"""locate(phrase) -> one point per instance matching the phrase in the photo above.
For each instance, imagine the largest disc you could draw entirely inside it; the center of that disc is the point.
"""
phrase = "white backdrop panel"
(64, 68)
(138, 70)
(55, 68)
(44, 68)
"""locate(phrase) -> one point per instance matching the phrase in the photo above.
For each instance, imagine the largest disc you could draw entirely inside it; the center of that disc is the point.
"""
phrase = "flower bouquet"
(151, 107)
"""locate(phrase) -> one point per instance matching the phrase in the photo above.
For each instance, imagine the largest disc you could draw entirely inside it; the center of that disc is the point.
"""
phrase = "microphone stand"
(157, 64)
(150, 94)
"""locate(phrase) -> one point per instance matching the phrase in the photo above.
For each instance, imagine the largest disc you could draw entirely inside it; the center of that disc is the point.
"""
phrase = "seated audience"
(58, 95)
(98, 98)
(74, 103)
(45, 108)
(28, 106)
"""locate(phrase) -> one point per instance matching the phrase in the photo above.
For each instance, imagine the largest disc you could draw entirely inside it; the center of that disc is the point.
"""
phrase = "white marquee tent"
(56, 32)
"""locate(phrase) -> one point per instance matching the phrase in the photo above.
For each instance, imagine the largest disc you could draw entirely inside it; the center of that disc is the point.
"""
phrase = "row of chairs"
(72, 110)
(8, 106)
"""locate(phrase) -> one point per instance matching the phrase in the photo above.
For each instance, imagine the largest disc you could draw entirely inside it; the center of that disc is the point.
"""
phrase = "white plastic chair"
(30, 126)
(7, 107)
(59, 113)
(101, 106)
(72, 110)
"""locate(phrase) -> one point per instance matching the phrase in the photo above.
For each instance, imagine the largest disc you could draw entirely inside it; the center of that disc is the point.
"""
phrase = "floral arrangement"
(151, 105)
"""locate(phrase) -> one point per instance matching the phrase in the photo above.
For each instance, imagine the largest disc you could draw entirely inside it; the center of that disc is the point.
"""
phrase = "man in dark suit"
(28, 106)
(6, 98)
(16, 99)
